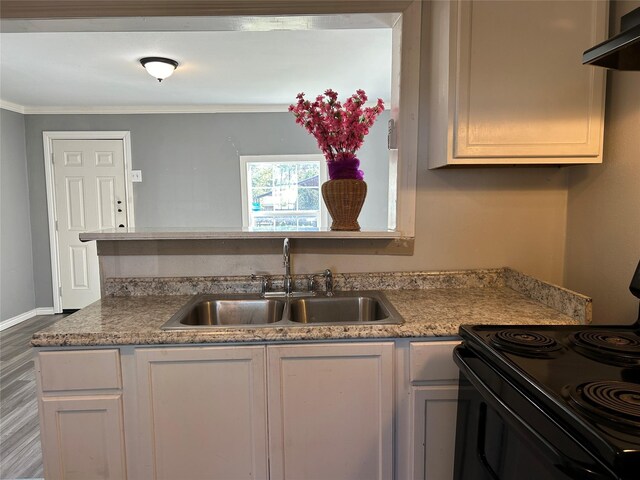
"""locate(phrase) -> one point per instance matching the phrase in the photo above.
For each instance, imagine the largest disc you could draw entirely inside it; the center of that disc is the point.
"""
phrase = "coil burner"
(611, 401)
(525, 343)
(616, 348)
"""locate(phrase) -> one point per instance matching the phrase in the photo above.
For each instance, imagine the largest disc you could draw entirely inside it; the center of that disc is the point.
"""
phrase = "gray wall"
(190, 168)
(603, 234)
(16, 260)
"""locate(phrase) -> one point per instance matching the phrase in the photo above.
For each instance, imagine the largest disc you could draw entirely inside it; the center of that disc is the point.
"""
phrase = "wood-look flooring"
(20, 452)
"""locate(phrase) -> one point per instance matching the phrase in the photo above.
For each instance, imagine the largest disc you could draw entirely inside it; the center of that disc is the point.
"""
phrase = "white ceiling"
(72, 70)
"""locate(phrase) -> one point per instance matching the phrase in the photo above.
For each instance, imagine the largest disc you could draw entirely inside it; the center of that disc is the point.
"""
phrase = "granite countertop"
(435, 304)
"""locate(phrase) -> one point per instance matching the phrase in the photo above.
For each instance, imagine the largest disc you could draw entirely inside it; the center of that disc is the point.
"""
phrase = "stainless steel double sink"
(250, 310)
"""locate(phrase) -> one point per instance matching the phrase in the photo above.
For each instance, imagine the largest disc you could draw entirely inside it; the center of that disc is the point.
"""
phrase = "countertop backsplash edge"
(145, 286)
(570, 303)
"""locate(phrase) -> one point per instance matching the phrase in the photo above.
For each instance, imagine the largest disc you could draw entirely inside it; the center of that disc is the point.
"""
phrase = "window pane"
(308, 174)
(308, 199)
(284, 195)
(261, 175)
(307, 223)
(285, 174)
(261, 199)
(286, 223)
(284, 199)
(263, 223)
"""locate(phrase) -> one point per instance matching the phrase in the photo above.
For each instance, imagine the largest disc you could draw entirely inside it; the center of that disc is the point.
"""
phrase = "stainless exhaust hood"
(621, 52)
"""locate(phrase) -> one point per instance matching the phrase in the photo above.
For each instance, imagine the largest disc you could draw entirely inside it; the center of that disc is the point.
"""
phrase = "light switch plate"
(136, 176)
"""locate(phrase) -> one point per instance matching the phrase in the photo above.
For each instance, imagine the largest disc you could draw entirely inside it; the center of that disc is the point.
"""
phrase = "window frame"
(245, 160)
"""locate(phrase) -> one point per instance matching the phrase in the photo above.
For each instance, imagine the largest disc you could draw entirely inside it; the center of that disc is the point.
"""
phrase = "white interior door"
(89, 179)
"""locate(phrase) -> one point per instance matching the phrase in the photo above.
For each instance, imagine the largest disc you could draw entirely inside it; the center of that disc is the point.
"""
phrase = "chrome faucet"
(288, 281)
(265, 280)
(328, 282)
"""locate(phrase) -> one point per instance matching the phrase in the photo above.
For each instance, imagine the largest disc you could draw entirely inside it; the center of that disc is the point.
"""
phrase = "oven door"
(502, 435)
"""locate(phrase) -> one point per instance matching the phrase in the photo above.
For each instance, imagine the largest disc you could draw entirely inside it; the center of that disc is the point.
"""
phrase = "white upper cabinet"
(507, 86)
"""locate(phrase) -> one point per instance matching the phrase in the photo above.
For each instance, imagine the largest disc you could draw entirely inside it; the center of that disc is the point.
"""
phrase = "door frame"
(47, 140)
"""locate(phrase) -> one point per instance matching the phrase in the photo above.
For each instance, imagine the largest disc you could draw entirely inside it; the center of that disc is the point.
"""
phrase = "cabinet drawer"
(432, 361)
(80, 370)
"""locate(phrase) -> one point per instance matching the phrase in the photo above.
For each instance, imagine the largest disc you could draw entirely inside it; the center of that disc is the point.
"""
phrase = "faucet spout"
(286, 258)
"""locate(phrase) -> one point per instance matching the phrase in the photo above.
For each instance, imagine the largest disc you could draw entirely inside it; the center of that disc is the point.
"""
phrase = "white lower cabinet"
(81, 414)
(434, 414)
(83, 437)
(331, 411)
(427, 410)
(313, 411)
(202, 412)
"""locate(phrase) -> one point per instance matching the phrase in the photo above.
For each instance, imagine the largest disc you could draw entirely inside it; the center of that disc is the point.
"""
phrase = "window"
(282, 192)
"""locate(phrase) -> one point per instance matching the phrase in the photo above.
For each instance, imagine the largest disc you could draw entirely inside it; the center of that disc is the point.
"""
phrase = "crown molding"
(133, 110)
(13, 107)
(141, 110)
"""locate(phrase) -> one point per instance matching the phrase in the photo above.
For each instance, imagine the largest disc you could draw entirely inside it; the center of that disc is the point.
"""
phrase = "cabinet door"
(331, 411)
(83, 437)
(427, 388)
(204, 412)
(434, 417)
(508, 77)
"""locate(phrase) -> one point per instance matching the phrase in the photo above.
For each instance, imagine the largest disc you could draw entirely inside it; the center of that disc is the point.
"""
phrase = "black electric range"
(548, 402)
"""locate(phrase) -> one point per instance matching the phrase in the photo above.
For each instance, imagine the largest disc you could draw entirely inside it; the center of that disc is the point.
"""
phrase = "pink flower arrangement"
(339, 128)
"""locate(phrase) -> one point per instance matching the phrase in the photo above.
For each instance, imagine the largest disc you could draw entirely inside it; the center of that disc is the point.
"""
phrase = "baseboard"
(10, 322)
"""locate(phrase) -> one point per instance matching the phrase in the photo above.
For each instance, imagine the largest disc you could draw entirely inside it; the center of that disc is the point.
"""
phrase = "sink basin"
(250, 310)
(215, 312)
(341, 309)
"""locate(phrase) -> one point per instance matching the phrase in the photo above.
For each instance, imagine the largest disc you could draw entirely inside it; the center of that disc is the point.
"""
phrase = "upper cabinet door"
(507, 86)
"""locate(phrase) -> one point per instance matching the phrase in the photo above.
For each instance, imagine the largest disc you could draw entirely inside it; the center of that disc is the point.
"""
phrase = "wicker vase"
(344, 199)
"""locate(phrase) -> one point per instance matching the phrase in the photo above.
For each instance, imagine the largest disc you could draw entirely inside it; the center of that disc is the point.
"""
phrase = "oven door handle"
(567, 465)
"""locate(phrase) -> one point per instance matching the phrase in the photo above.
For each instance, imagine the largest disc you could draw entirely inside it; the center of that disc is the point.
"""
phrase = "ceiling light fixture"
(159, 67)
